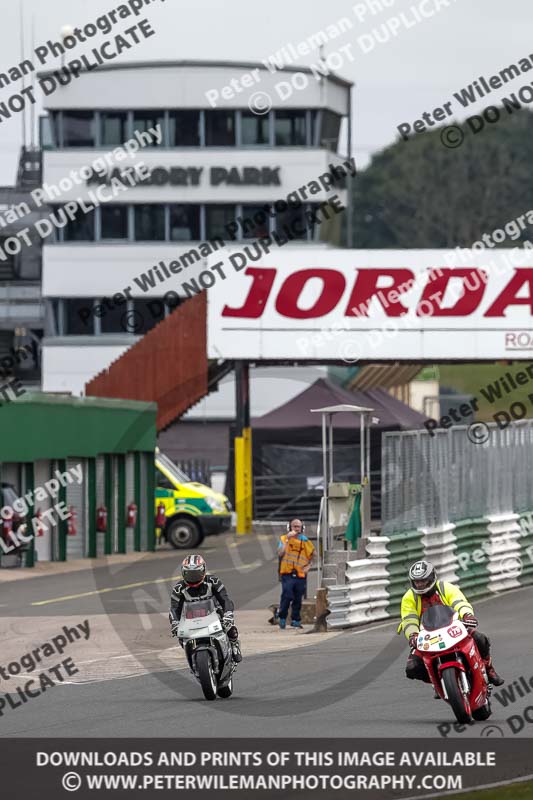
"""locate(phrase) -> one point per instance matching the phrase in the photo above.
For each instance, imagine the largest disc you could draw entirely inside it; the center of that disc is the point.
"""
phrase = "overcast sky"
(416, 71)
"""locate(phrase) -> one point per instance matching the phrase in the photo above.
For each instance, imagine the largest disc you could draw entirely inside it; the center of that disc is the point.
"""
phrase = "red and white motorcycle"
(454, 665)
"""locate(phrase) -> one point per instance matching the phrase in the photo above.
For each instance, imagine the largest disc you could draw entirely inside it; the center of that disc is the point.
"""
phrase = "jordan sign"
(350, 305)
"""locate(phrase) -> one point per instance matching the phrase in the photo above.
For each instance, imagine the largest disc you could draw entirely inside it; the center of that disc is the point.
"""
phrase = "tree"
(421, 194)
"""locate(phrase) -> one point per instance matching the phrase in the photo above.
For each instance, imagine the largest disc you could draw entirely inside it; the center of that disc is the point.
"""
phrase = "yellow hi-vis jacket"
(411, 608)
(298, 554)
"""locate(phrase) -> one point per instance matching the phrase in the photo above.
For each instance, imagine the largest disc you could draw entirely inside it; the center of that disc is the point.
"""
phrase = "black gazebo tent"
(287, 454)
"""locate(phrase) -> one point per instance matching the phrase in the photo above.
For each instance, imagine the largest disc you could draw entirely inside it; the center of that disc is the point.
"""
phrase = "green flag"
(353, 531)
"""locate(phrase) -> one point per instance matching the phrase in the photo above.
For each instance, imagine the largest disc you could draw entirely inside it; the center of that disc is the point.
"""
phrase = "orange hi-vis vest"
(297, 555)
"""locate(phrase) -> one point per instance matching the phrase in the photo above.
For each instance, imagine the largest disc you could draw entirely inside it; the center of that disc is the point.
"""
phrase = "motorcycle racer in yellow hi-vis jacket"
(427, 591)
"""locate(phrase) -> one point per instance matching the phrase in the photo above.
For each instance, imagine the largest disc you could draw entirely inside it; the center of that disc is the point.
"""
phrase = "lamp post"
(66, 30)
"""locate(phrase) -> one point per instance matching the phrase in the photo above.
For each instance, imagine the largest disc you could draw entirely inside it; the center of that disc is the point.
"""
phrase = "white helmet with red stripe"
(193, 569)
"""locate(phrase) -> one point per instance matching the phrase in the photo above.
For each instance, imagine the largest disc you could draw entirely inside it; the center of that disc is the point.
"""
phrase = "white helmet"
(422, 577)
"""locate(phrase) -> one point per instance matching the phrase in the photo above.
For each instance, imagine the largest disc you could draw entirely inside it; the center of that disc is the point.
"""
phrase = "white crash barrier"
(364, 597)
(502, 550)
(440, 544)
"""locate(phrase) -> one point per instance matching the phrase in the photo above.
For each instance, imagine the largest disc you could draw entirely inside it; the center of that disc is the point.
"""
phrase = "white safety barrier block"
(502, 551)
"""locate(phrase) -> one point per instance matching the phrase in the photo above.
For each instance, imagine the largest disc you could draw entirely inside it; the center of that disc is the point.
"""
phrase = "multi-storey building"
(21, 307)
(212, 166)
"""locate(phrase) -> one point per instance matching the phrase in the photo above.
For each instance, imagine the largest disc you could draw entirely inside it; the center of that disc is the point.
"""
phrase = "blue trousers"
(292, 591)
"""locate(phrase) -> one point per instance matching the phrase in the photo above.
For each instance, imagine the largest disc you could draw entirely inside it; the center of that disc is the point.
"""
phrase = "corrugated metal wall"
(168, 365)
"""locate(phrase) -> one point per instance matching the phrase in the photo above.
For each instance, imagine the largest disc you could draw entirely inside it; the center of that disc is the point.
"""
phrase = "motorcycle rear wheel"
(226, 691)
(459, 703)
(206, 675)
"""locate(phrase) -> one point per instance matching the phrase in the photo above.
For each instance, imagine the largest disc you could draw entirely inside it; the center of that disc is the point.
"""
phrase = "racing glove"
(228, 620)
(470, 622)
(174, 628)
(413, 640)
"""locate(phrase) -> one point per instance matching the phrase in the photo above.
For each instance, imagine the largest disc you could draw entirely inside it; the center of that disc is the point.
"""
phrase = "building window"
(78, 317)
(115, 318)
(255, 129)
(290, 128)
(150, 223)
(7, 267)
(184, 223)
(329, 131)
(144, 120)
(292, 220)
(113, 127)
(216, 220)
(184, 128)
(113, 222)
(148, 313)
(220, 128)
(80, 229)
(255, 223)
(49, 130)
(79, 129)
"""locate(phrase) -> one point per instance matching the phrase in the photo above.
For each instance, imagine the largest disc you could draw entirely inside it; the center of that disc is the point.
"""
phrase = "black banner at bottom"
(257, 768)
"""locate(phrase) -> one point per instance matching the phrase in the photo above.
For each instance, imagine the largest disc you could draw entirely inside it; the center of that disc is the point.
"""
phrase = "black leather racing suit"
(222, 600)
(220, 594)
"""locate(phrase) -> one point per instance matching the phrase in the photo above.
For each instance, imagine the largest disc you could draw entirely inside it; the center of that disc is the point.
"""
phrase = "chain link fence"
(465, 472)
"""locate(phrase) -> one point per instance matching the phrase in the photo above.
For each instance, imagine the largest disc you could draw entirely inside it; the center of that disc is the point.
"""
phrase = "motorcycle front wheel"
(206, 675)
(483, 713)
(226, 691)
(459, 703)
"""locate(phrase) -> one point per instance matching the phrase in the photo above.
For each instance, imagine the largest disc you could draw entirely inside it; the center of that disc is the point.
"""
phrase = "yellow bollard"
(243, 482)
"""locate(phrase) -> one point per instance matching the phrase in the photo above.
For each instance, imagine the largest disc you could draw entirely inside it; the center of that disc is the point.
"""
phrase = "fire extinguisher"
(71, 524)
(39, 527)
(101, 519)
(160, 518)
(131, 518)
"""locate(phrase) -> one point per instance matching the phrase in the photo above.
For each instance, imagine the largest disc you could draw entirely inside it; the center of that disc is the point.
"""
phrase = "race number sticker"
(454, 631)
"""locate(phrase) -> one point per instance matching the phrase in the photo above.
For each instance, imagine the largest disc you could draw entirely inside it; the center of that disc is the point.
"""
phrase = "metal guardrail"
(431, 480)
(285, 496)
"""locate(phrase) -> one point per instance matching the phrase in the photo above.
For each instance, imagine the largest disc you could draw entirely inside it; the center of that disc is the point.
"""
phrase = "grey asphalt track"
(349, 685)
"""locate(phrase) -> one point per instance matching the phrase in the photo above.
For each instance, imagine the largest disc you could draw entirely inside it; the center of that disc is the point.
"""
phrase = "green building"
(90, 455)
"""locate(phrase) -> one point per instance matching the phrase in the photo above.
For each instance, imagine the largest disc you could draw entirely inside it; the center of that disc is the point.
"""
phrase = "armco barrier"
(483, 556)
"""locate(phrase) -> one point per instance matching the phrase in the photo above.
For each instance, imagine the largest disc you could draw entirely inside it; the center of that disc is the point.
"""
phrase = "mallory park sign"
(192, 176)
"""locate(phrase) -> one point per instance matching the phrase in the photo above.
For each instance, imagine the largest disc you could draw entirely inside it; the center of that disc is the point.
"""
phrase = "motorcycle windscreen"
(436, 617)
(198, 609)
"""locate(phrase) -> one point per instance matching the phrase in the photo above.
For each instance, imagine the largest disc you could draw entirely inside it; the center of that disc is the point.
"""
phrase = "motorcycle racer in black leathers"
(198, 584)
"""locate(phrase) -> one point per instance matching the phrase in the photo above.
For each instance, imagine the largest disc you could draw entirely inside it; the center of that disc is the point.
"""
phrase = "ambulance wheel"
(183, 534)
